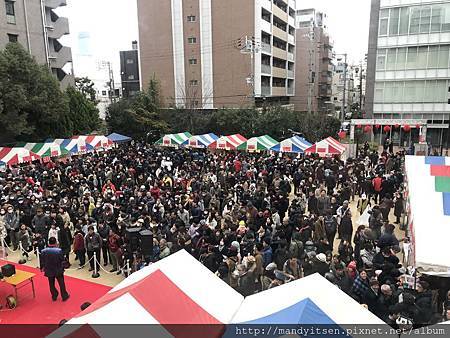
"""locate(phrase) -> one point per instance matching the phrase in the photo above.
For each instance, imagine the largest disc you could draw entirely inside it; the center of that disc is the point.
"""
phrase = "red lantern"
(377, 126)
(397, 126)
(359, 126)
(367, 129)
(407, 128)
(387, 129)
(342, 134)
(418, 126)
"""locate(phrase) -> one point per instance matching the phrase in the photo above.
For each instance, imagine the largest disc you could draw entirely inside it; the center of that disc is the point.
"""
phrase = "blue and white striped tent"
(201, 141)
(295, 144)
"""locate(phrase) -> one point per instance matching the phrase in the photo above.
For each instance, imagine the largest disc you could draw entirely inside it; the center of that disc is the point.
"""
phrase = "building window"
(10, 12)
(193, 82)
(191, 18)
(192, 39)
(131, 77)
(104, 92)
(13, 37)
(130, 61)
(193, 61)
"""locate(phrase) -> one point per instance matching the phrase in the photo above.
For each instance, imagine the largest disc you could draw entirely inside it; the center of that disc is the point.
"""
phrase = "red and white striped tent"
(230, 142)
(11, 156)
(95, 141)
(327, 147)
(175, 290)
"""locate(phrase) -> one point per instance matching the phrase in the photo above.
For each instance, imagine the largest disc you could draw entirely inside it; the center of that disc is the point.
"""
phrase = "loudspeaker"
(132, 235)
(146, 242)
(8, 270)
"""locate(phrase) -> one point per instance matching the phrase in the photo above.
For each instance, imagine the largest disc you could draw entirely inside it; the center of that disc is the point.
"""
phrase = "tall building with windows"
(408, 72)
(314, 70)
(36, 26)
(129, 71)
(211, 54)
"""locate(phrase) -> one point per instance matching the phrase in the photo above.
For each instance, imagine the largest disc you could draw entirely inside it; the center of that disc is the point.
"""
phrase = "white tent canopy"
(429, 226)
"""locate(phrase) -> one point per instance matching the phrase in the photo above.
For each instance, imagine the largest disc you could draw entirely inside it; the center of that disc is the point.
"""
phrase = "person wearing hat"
(320, 265)
(12, 225)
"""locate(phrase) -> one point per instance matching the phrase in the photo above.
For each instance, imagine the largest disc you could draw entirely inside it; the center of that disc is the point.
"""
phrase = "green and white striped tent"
(258, 143)
(49, 149)
(173, 140)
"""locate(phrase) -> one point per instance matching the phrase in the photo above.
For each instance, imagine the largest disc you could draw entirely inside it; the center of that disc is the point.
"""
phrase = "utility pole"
(344, 99)
(249, 45)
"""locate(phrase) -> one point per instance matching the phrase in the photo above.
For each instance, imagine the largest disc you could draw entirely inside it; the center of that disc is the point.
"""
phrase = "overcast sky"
(112, 25)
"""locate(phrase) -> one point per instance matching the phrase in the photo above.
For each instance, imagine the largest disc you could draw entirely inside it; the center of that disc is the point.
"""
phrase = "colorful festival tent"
(428, 195)
(175, 290)
(295, 144)
(94, 141)
(309, 300)
(173, 140)
(258, 143)
(48, 149)
(118, 138)
(230, 142)
(11, 156)
(326, 147)
(73, 146)
(200, 141)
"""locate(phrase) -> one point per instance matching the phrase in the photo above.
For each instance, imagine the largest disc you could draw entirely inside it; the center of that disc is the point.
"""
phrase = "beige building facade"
(212, 53)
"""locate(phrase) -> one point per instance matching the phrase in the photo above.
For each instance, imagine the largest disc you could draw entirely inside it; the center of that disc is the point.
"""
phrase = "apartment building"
(314, 70)
(408, 72)
(212, 53)
(129, 71)
(35, 25)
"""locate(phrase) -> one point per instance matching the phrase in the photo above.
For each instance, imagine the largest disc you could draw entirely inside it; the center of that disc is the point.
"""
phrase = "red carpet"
(42, 310)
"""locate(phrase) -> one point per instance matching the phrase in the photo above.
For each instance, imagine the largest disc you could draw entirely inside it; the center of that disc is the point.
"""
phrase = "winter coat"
(360, 288)
(93, 242)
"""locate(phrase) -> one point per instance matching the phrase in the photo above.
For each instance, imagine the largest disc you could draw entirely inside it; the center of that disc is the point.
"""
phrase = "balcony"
(291, 39)
(266, 90)
(279, 33)
(55, 3)
(266, 26)
(267, 4)
(266, 47)
(279, 72)
(291, 56)
(60, 58)
(278, 91)
(291, 74)
(266, 69)
(279, 53)
(57, 29)
(277, 11)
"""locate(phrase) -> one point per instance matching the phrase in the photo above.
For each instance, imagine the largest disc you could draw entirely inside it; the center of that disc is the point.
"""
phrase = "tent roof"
(174, 139)
(308, 300)
(16, 155)
(429, 194)
(201, 141)
(119, 138)
(264, 142)
(295, 144)
(228, 142)
(328, 146)
(178, 288)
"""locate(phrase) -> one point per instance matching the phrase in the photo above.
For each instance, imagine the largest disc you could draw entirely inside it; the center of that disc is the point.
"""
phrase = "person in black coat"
(52, 260)
(424, 302)
(65, 241)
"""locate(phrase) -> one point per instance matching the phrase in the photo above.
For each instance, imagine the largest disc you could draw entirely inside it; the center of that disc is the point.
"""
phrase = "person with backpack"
(330, 228)
(296, 248)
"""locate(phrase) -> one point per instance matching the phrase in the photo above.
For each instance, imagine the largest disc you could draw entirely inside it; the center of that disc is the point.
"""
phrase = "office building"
(408, 73)
(37, 27)
(129, 71)
(314, 70)
(212, 54)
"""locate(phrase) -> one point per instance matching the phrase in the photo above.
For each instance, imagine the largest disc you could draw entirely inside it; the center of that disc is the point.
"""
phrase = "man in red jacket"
(376, 182)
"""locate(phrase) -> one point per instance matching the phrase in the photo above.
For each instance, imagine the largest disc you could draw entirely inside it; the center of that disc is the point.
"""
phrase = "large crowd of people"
(256, 220)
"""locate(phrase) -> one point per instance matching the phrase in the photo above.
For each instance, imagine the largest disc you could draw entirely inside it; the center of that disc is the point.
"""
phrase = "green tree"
(32, 106)
(85, 86)
(83, 113)
(138, 115)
